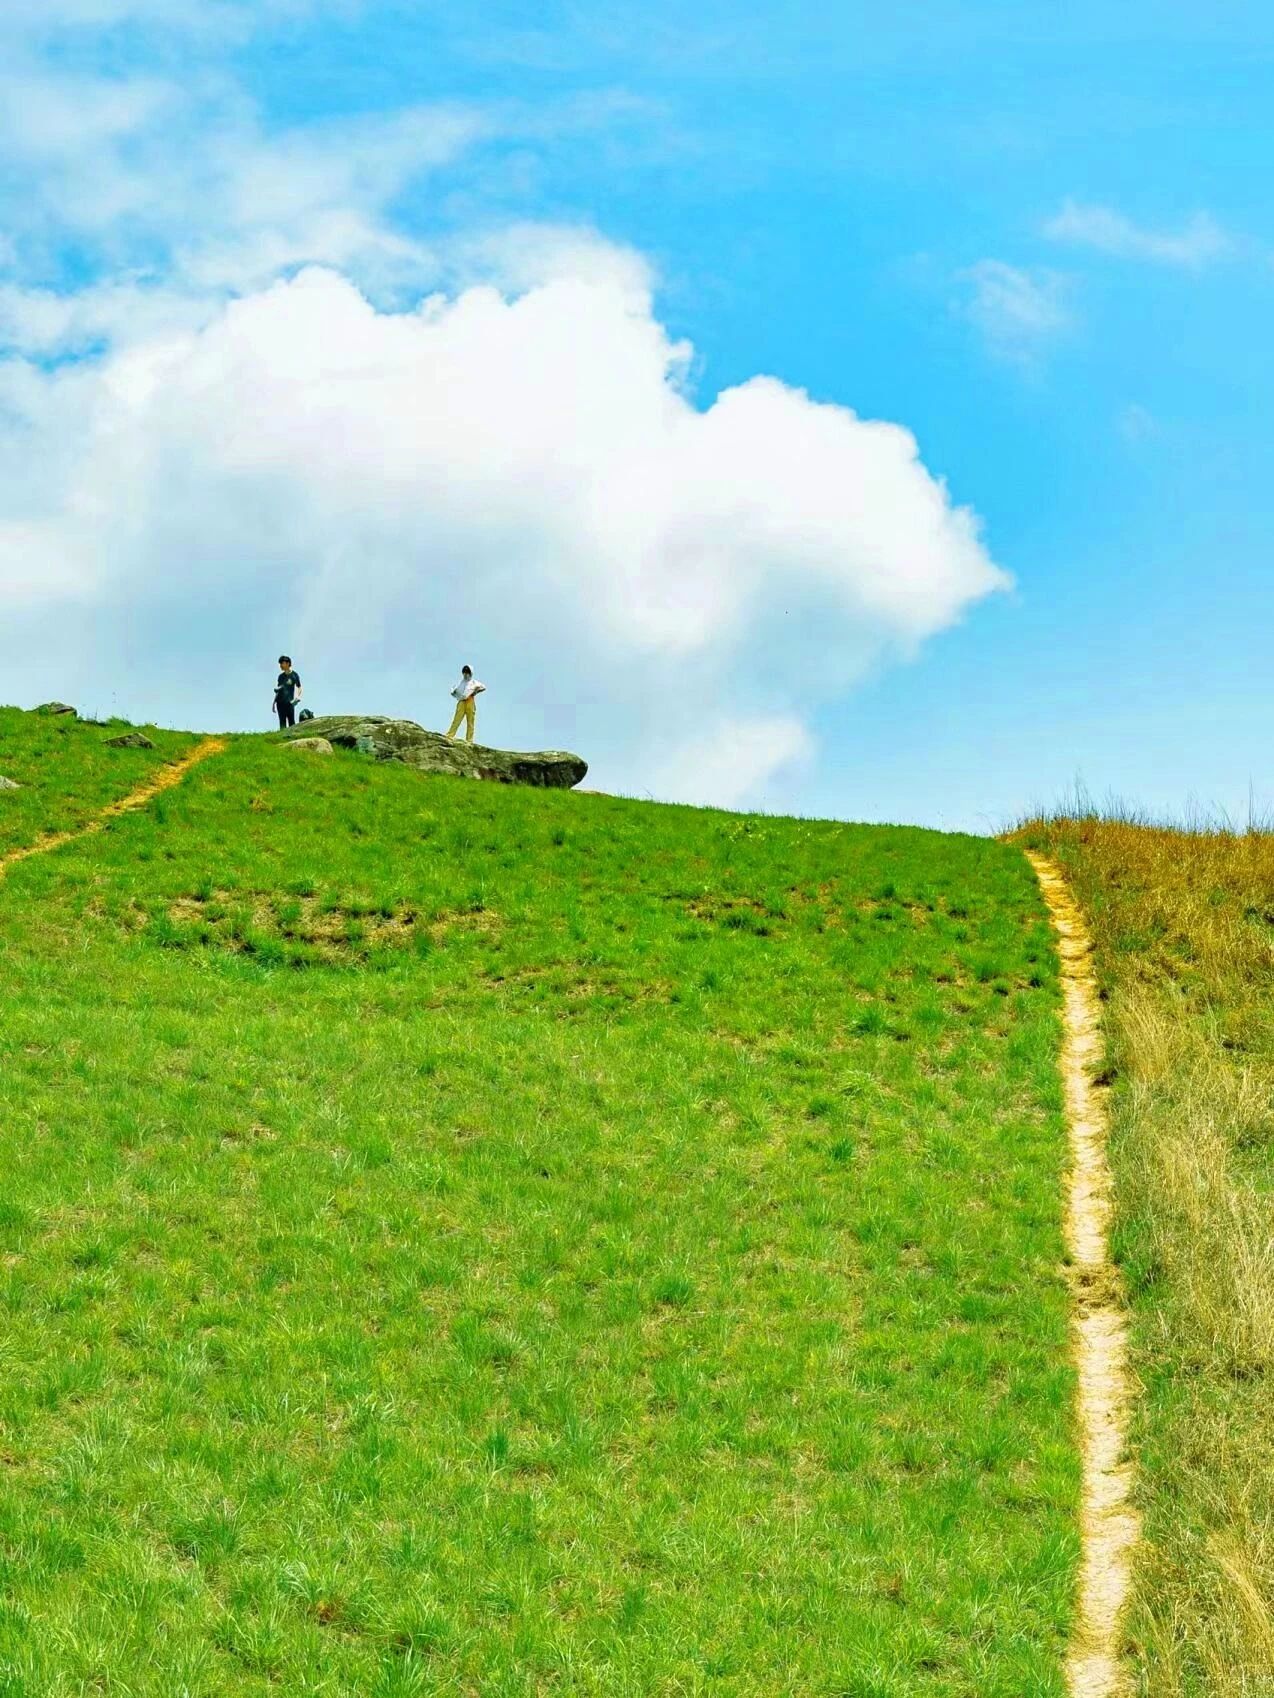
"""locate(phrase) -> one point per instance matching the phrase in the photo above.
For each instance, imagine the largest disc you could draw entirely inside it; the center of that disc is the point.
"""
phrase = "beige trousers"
(464, 711)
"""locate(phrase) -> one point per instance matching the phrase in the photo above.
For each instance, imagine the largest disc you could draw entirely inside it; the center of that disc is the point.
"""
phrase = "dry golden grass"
(1184, 928)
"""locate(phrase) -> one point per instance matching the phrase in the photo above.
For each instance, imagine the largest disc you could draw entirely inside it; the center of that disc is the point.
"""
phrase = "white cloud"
(166, 187)
(1199, 242)
(1019, 312)
(731, 762)
(48, 117)
(184, 183)
(45, 324)
(517, 475)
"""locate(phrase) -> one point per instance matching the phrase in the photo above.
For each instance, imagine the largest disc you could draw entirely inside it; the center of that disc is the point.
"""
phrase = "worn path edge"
(165, 778)
(1109, 1525)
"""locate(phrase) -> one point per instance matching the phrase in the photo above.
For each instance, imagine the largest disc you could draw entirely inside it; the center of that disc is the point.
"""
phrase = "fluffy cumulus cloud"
(519, 477)
(265, 413)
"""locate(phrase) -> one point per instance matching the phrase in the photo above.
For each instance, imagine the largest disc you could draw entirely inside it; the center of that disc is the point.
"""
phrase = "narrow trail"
(165, 779)
(1108, 1522)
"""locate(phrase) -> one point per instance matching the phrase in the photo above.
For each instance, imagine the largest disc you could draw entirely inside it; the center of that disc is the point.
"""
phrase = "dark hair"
(467, 669)
(285, 660)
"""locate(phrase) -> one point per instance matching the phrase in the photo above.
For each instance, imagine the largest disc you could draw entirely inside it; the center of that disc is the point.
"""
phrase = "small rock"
(130, 740)
(57, 708)
(315, 745)
(8, 784)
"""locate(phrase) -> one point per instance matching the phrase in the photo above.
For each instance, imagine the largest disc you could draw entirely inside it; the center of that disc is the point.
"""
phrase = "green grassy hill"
(458, 1239)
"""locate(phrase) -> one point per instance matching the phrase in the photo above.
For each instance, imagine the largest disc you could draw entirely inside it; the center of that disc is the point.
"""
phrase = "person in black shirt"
(287, 692)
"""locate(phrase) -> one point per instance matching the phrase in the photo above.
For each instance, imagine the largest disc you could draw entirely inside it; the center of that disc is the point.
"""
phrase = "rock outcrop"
(62, 709)
(429, 751)
(130, 740)
(9, 784)
(310, 745)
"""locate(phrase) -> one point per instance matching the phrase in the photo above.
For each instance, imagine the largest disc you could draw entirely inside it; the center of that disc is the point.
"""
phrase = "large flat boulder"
(429, 751)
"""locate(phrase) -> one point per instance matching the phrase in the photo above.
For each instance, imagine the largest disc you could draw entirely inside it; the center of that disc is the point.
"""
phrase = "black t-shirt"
(285, 690)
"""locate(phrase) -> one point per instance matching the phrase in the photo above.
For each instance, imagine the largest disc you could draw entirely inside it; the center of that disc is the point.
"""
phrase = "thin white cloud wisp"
(1198, 243)
(1018, 312)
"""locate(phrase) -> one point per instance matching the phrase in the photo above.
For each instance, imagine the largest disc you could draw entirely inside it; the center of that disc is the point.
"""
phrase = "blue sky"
(1035, 238)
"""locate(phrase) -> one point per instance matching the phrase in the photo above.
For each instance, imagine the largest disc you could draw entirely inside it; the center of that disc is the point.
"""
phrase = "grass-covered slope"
(66, 773)
(467, 1240)
(1184, 927)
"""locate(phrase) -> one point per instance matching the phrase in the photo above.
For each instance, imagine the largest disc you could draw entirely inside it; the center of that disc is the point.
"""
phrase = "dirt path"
(1108, 1521)
(164, 779)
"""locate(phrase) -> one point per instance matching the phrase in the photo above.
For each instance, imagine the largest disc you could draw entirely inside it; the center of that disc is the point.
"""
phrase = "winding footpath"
(1108, 1521)
(166, 778)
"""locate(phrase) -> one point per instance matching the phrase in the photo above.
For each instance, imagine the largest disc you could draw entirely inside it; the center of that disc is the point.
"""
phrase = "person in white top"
(466, 693)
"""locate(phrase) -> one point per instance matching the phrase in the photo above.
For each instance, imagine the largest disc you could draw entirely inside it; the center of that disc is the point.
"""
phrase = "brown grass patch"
(1185, 957)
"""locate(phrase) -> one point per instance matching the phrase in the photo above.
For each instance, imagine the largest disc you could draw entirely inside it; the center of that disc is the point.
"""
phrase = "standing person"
(287, 692)
(466, 693)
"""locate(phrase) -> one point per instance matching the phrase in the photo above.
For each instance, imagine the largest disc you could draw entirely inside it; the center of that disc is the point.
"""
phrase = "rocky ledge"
(429, 751)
